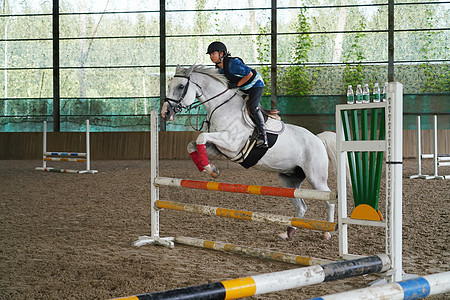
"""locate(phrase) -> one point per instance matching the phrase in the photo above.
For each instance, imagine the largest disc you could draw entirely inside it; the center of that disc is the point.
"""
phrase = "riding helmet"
(217, 46)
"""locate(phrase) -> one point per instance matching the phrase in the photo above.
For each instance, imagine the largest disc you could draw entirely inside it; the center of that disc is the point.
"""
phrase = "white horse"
(296, 155)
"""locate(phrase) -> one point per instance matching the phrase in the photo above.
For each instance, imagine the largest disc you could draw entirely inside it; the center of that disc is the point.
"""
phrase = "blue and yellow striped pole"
(416, 288)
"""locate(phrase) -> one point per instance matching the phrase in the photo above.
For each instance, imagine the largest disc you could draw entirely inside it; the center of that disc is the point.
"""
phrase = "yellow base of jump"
(366, 212)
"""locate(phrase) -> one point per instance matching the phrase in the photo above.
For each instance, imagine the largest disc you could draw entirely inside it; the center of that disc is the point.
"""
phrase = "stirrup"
(262, 143)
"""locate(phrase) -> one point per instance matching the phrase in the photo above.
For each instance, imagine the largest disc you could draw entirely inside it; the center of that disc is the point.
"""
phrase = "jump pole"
(392, 145)
(275, 282)
(247, 189)
(409, 289)
(249, 251)
(247, 215)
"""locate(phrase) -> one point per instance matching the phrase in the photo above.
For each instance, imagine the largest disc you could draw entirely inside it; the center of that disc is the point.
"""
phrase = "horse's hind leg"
(293, 181)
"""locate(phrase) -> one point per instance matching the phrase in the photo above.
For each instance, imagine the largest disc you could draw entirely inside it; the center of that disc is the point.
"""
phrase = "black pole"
(273, 60)
(391, 41)
(56, 94)
(162, 56)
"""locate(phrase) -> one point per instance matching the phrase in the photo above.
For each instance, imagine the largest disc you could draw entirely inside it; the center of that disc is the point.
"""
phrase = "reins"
(180, 107)
(218, 106)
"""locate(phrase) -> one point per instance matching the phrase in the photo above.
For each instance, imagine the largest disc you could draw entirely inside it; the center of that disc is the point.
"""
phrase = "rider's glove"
(232, 85)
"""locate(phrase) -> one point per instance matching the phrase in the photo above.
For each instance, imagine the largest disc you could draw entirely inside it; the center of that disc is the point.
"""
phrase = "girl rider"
(246, 79)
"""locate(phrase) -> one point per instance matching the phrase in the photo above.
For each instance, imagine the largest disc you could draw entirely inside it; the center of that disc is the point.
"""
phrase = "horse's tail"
(328, 138)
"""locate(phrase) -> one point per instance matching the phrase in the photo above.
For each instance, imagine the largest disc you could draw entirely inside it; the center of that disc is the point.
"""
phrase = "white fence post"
(154, 238)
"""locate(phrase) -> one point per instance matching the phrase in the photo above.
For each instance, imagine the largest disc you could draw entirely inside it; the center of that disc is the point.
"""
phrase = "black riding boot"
(258, 118)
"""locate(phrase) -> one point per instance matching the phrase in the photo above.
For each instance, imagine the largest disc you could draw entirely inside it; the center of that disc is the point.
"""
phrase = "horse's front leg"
(211, 150)
(198, 152)
(330, 207)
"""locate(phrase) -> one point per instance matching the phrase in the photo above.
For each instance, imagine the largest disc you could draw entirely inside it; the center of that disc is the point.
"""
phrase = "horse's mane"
(203, 69)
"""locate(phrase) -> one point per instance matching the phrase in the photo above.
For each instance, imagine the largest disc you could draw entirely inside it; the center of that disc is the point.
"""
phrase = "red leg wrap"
(194, 156)
(202, 156)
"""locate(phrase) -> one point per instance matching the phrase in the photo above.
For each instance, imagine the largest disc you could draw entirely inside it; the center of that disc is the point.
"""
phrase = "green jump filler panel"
(365, 166)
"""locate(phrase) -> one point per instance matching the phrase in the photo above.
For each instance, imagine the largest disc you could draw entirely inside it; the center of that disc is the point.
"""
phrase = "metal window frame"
(56, 39)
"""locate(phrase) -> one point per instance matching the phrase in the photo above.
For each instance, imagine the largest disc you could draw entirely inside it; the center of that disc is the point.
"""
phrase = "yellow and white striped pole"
(247, 215)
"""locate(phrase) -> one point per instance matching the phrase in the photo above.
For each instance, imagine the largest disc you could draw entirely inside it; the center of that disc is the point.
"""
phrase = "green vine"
(298, 79)
(262, 41)
(353, 70)
(436, 76)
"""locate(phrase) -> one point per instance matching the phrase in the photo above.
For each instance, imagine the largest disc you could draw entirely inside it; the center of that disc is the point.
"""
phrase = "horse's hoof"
(326, 236)
(290, 232)
(212, 171)
(283, 236)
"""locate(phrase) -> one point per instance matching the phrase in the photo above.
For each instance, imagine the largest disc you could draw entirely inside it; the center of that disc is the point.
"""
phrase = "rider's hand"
(232, 85)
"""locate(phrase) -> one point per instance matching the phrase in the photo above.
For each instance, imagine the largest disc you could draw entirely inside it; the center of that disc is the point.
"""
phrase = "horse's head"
(181, 93)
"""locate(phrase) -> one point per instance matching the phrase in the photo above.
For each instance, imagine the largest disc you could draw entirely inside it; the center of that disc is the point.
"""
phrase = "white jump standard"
(442, 160)
(65, 156)
(392, 145)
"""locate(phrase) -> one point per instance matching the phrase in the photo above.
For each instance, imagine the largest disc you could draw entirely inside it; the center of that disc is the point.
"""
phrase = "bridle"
(177, 106)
